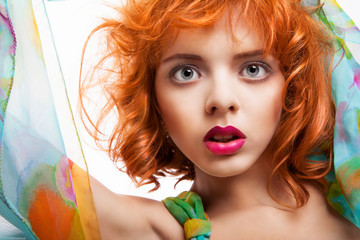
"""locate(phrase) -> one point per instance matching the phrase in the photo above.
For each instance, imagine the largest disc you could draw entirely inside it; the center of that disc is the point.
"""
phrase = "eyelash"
(181, 67)
(243, 67)
(263, 65)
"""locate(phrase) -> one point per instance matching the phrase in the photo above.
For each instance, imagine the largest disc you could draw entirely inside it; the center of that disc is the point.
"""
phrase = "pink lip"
(224, 148)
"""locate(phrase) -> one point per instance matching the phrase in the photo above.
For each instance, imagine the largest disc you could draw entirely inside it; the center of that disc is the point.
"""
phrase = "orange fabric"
(46, 224)
(85, 202)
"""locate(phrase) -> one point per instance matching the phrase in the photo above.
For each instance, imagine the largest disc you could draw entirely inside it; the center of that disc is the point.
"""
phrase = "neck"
(243, 191)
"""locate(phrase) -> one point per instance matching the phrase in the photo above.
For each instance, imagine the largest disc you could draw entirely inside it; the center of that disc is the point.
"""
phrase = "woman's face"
(220, 99)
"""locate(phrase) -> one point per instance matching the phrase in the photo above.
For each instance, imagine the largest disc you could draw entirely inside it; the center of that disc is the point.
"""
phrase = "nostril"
(214, 109)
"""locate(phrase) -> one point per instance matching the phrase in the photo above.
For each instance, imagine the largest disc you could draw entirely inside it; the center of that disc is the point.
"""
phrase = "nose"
(222, 98)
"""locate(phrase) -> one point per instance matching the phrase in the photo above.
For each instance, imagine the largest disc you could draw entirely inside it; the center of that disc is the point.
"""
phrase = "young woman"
(235, 95)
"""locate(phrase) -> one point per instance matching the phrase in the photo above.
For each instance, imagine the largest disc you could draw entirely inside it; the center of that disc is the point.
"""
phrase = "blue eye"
(255, 71)
(185, 74)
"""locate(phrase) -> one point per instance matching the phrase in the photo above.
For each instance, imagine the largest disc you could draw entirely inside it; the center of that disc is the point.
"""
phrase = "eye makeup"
(255, 71)
(184, 74)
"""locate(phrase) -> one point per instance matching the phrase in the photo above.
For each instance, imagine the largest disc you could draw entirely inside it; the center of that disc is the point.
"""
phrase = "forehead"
(232, 33)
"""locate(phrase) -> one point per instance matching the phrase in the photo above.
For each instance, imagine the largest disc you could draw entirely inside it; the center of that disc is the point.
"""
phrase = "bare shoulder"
(344, 228)
(130, 217)
(316, 220)
(325, 222)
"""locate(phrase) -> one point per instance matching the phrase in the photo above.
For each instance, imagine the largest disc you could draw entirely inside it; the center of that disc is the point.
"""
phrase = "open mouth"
(223, 138)
(223, 134)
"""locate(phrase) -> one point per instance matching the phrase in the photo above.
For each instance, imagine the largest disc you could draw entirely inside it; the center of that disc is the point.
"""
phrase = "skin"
(221, 92)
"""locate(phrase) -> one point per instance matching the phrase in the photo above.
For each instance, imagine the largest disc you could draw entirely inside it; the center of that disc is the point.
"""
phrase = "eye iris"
(187, 73)
(253, 70)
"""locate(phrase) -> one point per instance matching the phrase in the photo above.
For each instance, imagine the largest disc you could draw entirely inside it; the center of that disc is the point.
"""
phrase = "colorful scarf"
(47, 196)
(344, 194)
(188, 210)
(42, 192)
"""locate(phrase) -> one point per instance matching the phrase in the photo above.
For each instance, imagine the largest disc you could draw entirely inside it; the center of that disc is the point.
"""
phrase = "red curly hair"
(135, 43)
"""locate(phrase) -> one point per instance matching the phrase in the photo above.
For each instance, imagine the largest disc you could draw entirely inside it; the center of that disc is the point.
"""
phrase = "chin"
(227, 168)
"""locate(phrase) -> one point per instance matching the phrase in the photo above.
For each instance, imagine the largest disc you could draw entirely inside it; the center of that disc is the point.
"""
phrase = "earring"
(169, 140)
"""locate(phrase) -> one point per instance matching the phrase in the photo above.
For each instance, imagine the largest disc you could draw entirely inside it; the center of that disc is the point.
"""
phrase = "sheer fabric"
(44, 183)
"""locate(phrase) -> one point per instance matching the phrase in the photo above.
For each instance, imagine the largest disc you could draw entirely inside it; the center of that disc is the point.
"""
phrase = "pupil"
(187, 73)
(253, 70)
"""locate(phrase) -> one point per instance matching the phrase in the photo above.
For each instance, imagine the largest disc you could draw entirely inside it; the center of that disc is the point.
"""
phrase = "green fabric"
(188, 210)
(344, 179)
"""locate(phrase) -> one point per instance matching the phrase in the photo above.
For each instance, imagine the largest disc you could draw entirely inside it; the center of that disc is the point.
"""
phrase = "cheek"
(274, 109)
(175, 115)
(176, 109)
(266, 110)
(276, 103)
(179, 122)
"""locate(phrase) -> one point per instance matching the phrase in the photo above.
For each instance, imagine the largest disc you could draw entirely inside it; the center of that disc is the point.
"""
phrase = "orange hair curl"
(290, 33)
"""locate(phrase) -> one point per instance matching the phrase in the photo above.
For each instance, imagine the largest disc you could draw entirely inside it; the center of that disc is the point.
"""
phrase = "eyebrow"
(185, 56)
(253, 53)
(182, 56)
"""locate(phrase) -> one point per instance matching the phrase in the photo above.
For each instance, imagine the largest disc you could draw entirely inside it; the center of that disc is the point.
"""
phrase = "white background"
(72, 21)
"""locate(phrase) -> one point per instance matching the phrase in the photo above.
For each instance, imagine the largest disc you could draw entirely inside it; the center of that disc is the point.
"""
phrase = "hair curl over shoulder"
(290, 32)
